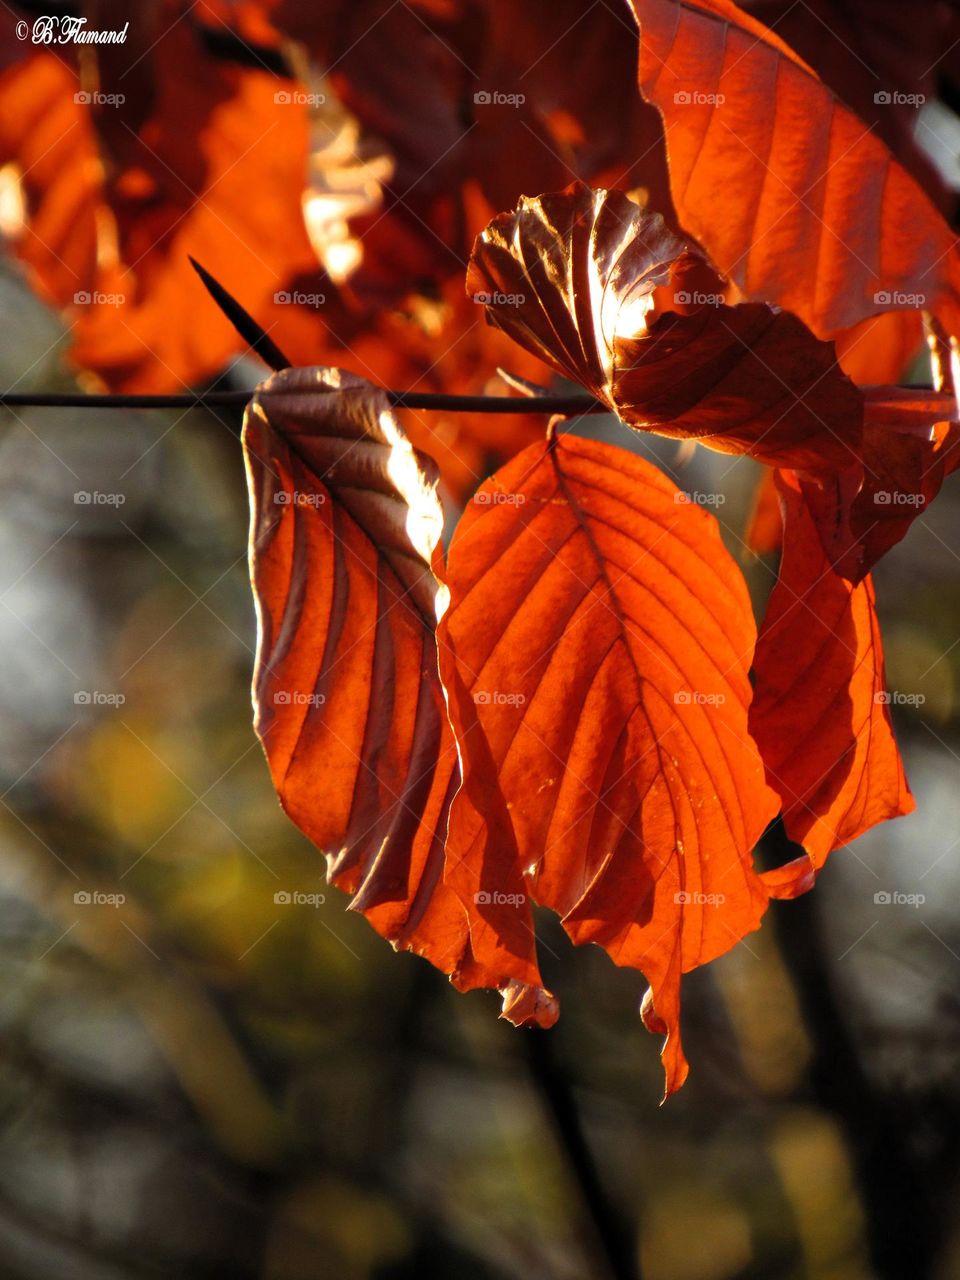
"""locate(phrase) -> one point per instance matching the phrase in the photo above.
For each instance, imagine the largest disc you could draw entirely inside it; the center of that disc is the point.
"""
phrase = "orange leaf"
(764, 532)
(880, 350)
(794, 198)
(44, 136)
(345, 532)
(605, 636)
(862, 511)
(881, 61)
(591, 284)
(214, 170)
(820, 712)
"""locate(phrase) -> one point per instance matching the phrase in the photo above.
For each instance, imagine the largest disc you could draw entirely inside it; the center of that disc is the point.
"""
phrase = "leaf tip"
(528, 1006)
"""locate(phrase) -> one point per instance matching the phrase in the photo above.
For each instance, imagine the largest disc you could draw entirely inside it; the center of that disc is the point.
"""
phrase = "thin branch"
(568, 406)
(893, 1171)
(613, 1238)
(260, 342)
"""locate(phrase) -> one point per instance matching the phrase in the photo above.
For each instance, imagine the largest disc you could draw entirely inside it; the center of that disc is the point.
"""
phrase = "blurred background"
(200, 1078)
(208, 1066)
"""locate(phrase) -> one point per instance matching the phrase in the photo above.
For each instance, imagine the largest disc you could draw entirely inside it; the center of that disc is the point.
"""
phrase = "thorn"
(242, 321)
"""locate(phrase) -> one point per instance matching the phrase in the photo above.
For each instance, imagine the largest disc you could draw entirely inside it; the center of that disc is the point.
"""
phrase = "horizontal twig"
(569, 406)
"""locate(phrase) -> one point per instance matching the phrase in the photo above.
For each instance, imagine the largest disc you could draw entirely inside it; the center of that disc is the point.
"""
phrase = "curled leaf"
(764, 530)
(346, 527)
(864, 510)
(820, 710)
(600, 290)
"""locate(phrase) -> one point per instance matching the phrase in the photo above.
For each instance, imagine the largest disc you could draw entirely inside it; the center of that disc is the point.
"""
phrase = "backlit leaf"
(820, 710)
(599, 289)
(792, 195)
(346, 524)
(605, 636)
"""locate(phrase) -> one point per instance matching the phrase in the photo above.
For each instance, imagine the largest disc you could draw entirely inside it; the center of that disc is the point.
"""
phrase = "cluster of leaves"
(287, 148)
(574, 707)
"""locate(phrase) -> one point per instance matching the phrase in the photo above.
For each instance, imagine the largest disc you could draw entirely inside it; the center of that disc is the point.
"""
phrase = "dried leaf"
(605, 636)
(791, 194)
(820, 713)
(594, 286)
(346, 528)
